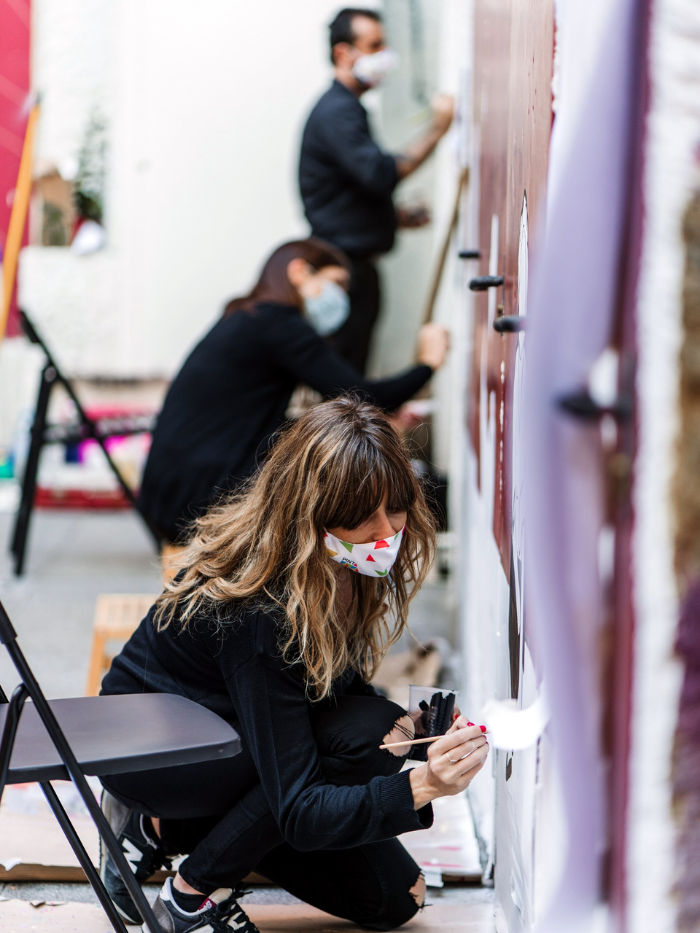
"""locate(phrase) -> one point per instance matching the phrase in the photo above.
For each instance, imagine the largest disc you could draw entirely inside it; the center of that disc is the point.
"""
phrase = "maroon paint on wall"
(513, 75)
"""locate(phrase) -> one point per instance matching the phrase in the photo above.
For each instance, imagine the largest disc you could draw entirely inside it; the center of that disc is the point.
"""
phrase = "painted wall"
(511, 129)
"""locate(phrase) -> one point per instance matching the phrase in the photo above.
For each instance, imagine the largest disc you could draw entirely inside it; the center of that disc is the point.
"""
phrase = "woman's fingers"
(474, 769)
(463, 751)
(455, 760)
(456, 735)
(454, 755)
(461, 722)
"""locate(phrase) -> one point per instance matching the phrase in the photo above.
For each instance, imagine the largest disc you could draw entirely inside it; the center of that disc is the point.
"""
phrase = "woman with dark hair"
(232, 393)
(288, 596)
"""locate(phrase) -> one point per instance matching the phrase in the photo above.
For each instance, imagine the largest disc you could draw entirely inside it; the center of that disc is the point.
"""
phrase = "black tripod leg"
(24, 513)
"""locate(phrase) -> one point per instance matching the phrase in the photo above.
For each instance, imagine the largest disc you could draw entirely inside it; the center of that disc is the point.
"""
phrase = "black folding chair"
(62, 740)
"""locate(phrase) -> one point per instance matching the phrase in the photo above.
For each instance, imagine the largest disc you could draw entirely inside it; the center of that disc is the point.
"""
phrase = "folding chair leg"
(82, 856)
(100, 821)
(26, 505)
(9, 638)
(19, 695)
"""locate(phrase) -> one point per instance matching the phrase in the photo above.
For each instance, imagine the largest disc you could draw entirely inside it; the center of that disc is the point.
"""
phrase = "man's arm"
(418, 152)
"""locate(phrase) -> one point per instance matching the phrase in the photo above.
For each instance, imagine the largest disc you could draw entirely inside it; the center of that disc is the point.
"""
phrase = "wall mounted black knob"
(581, 405)
(510, 324)
(469, 254)
(482, 282)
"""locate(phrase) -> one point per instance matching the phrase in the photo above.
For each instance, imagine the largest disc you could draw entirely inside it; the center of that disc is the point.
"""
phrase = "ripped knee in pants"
(403, 729)
(418, 890)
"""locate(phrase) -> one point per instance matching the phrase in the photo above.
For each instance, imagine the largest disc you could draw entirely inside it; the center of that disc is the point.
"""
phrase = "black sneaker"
(143, 854)
(219, 913)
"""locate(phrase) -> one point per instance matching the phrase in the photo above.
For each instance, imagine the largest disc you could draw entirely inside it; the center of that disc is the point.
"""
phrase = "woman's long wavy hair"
(331, 469)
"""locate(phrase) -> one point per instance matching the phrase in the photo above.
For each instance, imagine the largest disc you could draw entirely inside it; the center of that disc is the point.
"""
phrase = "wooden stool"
(168, 560)
(117, 616)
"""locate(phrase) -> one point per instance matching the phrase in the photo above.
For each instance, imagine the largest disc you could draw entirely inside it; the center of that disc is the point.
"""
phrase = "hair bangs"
(372, 475)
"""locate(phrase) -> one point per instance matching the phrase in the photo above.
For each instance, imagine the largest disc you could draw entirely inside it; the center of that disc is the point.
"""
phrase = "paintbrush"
(432, 738)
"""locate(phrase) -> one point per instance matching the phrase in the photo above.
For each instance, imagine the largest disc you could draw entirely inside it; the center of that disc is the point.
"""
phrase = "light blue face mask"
(328, 311)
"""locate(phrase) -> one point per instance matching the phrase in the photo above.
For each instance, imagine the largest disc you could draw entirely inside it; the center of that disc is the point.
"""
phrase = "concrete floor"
(73, 557)
(259, 894)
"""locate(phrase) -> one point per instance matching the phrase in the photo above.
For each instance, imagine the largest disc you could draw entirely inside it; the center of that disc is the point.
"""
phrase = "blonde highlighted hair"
(331, 469)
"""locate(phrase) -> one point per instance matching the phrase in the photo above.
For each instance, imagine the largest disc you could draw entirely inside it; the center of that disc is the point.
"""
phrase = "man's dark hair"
(341, 28)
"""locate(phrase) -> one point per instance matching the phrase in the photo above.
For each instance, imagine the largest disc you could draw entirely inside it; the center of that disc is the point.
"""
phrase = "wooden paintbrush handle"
(432, 738)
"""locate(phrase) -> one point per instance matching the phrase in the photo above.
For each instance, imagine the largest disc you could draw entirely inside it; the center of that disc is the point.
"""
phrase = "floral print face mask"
(373, 560)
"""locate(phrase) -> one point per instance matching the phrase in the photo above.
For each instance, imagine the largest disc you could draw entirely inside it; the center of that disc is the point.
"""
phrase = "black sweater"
(235, 669)
(345, 179)
(229, 399)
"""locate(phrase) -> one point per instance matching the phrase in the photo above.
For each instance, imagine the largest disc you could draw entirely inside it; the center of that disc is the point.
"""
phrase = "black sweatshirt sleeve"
(274, 723)
(296, 347)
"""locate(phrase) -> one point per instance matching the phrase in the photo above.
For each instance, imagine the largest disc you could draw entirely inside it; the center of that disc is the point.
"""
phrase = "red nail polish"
(483, 728)
(470, 723)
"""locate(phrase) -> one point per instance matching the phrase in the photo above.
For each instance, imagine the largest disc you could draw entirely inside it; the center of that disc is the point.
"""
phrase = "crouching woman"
(290, 593)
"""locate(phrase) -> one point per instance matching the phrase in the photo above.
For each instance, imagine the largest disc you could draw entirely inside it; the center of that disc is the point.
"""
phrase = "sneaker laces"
(218, 916)
(154, 856)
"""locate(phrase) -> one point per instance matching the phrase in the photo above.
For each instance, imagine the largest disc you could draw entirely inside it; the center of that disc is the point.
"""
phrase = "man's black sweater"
(233, 666)
(345, 179)
(230, 398)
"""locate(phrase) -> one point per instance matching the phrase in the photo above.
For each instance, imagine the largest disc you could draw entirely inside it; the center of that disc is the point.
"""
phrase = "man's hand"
(443, 107)
(407, 218)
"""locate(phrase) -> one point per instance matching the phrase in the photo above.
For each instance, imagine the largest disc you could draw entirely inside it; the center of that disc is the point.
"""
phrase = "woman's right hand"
(453, 762)
(433, 344)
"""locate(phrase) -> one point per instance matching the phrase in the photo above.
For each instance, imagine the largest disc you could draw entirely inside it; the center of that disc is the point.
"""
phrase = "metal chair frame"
(29, 688)
(42, 433)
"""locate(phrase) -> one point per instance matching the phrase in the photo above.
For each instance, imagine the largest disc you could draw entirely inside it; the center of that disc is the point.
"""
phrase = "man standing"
(346, 180)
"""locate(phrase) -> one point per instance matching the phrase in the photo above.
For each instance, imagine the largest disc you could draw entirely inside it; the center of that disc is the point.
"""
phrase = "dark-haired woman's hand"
(433, 344)
(453, 762)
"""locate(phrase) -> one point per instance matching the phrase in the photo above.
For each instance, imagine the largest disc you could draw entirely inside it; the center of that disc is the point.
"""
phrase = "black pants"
(353, 339)
(218, 814)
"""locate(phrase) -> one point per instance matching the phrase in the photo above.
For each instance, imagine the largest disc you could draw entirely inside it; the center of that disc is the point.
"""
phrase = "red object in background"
(15, 20)
(75, 497)
(80, 499)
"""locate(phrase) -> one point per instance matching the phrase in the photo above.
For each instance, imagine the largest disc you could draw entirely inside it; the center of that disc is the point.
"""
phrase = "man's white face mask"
(371, 70)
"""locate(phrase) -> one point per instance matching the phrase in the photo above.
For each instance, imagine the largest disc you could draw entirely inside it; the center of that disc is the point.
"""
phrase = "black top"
(229, 399)
(235, 669)
(346, 181)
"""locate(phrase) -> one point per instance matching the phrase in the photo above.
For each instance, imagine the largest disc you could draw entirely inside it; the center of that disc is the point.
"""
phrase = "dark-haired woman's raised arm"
(295, 346)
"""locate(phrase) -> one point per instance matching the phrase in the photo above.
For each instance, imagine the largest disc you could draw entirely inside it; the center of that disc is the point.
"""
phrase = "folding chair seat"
(45, 740)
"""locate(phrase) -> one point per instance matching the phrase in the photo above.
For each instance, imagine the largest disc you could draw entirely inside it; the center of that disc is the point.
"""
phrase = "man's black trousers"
(353, 339)
(218, 814)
